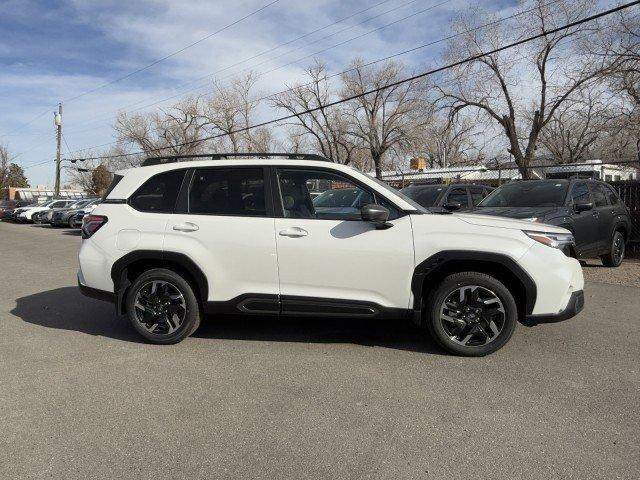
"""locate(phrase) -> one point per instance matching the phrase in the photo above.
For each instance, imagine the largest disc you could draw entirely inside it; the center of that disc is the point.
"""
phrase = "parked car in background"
(590, 209)
(455, 196)
(8, 206)
(64, 217)
(78, 217)
(26, 214)
(46, 215)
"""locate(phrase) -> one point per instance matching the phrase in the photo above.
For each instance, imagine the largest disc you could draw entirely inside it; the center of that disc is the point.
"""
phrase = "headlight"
(534, 219)
(553, 240)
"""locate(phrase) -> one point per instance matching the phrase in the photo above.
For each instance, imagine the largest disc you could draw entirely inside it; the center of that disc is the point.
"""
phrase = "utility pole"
(57, 120)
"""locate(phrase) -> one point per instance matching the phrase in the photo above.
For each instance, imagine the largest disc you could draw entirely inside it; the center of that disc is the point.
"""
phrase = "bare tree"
(446, 143)
(576, 126)
(619, 44)
(178, 130)
(326, 127)
(388, 119)
(555, 66)
(231, 109)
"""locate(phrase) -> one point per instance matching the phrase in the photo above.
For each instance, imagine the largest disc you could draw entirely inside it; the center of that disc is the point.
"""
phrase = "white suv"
(184, 236)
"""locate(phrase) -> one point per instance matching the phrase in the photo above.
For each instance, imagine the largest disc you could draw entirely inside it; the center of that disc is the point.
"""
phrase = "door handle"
(186, 227)
(293, 232)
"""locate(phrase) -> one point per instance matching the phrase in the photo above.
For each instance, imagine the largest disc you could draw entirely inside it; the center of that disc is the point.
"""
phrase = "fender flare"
(121, 282)
(438, 261)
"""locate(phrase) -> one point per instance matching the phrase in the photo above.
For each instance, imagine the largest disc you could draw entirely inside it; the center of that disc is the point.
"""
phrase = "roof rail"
(223, 156)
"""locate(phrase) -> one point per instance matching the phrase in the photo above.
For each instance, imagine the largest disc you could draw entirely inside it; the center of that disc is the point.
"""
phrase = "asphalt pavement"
(82, 397)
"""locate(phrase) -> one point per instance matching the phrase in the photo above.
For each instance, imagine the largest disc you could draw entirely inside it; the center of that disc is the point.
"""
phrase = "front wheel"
(162, 306)
(471, 314)
(614, 257)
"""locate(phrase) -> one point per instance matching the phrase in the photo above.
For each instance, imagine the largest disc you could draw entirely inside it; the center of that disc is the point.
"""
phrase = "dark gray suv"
(590, 209)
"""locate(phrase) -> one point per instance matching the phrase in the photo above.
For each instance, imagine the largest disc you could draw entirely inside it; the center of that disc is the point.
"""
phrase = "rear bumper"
(574, 307)
(96, 293)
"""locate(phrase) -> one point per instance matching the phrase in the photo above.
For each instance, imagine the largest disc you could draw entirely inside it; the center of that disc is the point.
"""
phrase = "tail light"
(91, 224)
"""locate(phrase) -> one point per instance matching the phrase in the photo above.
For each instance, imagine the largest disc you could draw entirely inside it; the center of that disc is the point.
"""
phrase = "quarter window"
(159, 193)
(228, 191)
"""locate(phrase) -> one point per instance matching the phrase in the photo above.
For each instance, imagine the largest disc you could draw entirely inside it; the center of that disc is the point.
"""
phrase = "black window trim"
(277, 197)
(182, 206)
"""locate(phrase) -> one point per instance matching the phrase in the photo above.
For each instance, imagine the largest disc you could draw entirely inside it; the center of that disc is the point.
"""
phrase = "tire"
(166, 330)
(70, 222)
(615, 255)
(484, 329)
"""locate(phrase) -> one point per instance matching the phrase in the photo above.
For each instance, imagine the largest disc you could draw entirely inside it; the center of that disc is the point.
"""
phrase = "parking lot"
(81, 396)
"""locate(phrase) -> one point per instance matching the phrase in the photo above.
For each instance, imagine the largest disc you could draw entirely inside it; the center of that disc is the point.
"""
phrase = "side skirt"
(261, 304)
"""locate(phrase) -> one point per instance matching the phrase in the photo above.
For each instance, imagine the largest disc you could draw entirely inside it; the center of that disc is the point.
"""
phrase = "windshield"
(390, 189)
(427, 196)
(537, 193)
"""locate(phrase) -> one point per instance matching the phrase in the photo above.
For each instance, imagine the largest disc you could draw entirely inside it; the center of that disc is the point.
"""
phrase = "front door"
(330, 261)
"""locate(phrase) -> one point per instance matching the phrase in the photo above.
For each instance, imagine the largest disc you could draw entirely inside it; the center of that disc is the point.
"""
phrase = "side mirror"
(376, 214)
(582, 207)
(452, 206)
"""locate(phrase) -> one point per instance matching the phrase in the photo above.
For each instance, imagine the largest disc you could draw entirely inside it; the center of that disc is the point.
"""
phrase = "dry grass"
(626, 274)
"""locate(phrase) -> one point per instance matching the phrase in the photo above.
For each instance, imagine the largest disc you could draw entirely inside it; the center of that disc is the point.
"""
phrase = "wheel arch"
(430, 272)
(130, 266)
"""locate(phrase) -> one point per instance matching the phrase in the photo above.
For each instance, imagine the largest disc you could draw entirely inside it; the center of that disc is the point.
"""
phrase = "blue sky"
(51, 51)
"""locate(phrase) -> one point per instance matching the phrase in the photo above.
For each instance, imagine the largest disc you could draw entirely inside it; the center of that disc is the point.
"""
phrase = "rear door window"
(159, 193)
(614, 199)
(458, 195)
(599, 195)
(580, 193)
(477, 194)
(228, 191)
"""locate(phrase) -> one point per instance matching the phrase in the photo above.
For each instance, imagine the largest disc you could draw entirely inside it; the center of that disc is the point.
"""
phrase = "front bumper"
(573, 308)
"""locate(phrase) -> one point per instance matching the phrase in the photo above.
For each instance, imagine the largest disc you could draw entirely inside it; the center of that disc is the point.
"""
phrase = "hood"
(502, 222)
(516, 212)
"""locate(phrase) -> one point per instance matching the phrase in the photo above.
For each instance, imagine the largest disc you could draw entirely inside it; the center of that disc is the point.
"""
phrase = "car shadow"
(395, 334)
(67, 309)
(73, 233)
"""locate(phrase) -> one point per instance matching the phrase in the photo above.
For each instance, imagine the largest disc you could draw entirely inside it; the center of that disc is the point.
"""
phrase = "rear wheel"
(471, 314)
(616, 251)
(162, 306)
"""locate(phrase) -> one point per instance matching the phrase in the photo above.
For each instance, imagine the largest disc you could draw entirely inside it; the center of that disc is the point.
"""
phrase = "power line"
(157, 102)
(155, 62)
(20, 127)
(390, 85)
(373, 62)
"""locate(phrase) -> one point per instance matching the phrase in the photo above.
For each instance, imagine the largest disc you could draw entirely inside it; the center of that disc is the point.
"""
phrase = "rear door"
(224, 223)
(584, 224)
(330, 260)
(605, 215)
